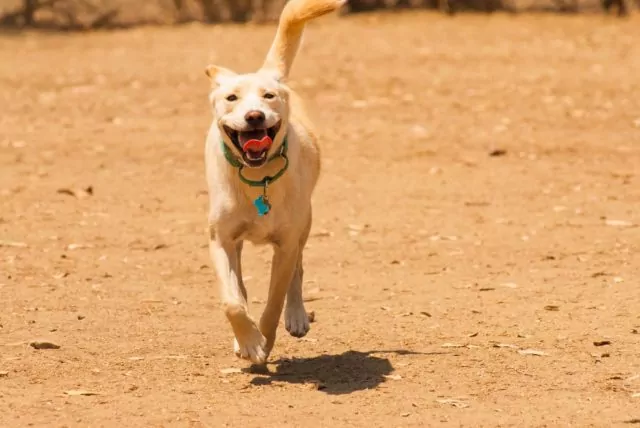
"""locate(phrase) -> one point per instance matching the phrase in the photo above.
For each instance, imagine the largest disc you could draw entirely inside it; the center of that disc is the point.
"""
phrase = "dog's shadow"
(332, 374)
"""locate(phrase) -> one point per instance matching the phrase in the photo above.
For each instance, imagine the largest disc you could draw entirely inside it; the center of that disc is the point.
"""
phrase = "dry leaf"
(78, 392)
(455, 403)
(66, 192)
(78, 193)
(385, 308)
(497, 152)
(14, 244)
(477, 203)
(72, 247)
(602, 343)
(405, 415)
(473, 334)
(169, 357)
(231, 370)
(553, 308)
(38, 344)
(504, 345)
(393, 377)
(532, 352)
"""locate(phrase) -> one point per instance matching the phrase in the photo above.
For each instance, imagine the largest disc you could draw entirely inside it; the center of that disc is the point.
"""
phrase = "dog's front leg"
(283, 266)
(250, 343)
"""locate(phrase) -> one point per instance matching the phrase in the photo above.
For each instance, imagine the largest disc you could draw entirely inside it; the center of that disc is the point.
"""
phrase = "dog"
(262, 163)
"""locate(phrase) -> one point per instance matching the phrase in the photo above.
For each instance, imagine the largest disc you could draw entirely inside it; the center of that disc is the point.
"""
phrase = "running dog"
(262, 163)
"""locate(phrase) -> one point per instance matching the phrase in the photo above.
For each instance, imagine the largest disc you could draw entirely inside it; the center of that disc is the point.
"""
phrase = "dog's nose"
(254, 117)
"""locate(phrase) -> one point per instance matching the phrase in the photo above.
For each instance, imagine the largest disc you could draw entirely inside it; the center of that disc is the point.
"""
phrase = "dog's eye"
(232, 98)
(269, 96)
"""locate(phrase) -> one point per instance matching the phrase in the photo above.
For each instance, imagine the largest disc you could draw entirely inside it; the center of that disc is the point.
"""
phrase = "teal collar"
(269, 179)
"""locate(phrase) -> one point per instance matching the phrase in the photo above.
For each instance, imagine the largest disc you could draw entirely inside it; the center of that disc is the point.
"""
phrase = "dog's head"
(251, 111)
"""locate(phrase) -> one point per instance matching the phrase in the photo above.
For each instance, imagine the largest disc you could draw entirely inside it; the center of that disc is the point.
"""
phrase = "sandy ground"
(474, 259)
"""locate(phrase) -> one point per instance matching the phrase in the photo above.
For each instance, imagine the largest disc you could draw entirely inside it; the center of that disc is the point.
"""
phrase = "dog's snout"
(254, 117)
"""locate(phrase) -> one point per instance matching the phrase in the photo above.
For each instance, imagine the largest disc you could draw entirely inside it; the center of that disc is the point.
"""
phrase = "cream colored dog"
(262, 164)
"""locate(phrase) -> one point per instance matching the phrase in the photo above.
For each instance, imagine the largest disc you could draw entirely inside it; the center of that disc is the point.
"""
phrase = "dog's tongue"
(257, 146)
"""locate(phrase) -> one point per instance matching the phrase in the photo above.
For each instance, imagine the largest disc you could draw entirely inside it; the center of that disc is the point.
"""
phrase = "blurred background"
(83, 14)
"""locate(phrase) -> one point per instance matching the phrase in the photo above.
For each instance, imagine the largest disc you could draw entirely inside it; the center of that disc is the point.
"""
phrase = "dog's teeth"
(254, 157)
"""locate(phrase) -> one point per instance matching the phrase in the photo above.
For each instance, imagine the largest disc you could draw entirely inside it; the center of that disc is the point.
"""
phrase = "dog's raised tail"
(292, 20)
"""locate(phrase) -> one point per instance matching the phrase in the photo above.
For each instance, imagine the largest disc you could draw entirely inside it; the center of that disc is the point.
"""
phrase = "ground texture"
(474, 259)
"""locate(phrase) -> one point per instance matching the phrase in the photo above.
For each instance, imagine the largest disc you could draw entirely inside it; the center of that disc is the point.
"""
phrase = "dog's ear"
(216, 74)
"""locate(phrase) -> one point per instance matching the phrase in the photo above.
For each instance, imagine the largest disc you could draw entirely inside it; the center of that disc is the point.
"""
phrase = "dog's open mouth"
(253, 144)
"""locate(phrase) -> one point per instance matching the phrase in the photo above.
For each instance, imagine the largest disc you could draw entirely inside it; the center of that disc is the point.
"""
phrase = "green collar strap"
(234, 162)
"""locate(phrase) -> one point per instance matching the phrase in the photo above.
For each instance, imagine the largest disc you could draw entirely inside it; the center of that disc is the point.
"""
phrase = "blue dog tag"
(262, 205)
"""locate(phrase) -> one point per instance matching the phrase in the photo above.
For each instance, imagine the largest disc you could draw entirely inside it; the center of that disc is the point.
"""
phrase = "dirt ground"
(474, 259)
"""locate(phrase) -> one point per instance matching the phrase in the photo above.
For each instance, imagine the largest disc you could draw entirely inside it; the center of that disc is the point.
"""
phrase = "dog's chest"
(262, 230)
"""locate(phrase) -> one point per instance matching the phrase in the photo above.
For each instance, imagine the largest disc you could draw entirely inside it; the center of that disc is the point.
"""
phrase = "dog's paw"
(296, 321)
(252, 348)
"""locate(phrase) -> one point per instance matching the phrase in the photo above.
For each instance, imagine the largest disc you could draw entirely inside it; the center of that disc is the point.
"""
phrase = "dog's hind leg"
(296, 320)
(250, 343)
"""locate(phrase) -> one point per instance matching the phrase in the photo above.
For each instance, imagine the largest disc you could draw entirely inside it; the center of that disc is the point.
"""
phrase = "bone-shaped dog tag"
(262, 205)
